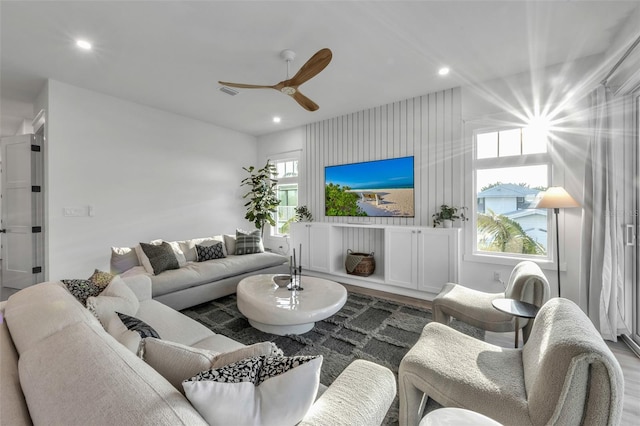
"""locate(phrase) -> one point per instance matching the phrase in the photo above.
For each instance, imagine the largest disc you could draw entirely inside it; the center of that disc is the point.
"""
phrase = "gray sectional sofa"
(59, 365)
(198, 282)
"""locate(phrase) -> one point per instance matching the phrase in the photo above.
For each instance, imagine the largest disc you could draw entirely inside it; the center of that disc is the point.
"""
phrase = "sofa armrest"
(360, 395)
(141, 286)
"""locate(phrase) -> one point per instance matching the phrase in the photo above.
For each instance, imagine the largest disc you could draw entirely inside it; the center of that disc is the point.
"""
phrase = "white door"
(22, 211)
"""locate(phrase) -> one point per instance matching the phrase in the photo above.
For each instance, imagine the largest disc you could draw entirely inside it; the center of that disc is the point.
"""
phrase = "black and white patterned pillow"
(83, 289)
(211, 252)
(139, 326)
(221, 395)
(248, 243)
(161, 257)
(255, 370)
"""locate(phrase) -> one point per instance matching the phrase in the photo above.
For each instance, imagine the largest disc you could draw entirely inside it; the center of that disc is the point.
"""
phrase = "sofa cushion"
(13, 407)
(117, 297)
(130, 339)
(38, 311)
(214, 251)
(161, 257)
(198, 273)
(171, 324)
(261, 390)
(189, 246)
(123, 259)
(82, 376)
(174, 361)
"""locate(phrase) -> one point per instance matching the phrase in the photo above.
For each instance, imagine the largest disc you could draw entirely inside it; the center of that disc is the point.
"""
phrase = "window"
(510, 167)
(287, 193)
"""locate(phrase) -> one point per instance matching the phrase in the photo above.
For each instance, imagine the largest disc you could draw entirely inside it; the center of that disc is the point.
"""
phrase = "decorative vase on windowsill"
(447, 215)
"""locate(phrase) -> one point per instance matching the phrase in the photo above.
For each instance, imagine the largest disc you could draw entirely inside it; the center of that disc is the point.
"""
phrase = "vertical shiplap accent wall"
(428, 127)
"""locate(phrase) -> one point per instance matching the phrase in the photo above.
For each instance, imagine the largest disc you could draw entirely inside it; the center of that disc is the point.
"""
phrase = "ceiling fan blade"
(244, 86)
(312, 67)
(305, 102)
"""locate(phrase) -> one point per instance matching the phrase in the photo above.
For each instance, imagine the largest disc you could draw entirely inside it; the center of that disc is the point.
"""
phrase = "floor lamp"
(556, 198)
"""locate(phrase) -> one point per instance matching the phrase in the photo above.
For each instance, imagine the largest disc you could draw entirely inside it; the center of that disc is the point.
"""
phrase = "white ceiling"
(170, 54)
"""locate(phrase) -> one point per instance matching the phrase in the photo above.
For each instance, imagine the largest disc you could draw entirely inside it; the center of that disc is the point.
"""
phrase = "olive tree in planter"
(263, 195)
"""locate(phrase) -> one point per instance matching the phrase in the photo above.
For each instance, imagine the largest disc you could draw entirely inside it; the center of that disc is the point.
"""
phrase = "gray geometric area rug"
(369, 328)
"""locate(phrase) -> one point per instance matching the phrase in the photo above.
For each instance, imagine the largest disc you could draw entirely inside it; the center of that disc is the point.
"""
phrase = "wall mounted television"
(381, 188)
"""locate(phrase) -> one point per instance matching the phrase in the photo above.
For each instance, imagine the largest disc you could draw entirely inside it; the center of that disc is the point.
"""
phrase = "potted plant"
(303, 214)
(447, 215)
(263, 195)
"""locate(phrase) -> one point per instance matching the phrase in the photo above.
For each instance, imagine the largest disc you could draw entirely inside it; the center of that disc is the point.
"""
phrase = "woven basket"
(361, 264)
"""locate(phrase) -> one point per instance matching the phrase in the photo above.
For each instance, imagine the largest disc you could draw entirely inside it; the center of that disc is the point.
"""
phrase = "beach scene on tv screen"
(382, 188)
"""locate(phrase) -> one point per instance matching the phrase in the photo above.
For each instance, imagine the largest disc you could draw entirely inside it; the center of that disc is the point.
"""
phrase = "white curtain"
(603, 247)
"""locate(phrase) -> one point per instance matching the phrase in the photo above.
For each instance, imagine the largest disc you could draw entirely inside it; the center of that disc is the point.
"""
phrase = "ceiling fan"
(310, 69)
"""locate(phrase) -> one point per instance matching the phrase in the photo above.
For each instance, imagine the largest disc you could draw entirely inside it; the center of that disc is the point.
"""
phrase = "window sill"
(546, 264)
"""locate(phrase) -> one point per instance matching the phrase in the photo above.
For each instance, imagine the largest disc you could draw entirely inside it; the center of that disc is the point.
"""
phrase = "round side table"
(516, 308)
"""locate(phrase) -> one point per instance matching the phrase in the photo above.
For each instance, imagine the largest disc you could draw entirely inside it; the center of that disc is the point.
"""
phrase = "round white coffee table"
(277, 310)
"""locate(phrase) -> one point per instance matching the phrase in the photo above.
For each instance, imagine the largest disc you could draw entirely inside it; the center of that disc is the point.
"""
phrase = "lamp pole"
(556, 211)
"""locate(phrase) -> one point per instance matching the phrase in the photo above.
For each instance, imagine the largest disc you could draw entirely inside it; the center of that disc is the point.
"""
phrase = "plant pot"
(447, 223)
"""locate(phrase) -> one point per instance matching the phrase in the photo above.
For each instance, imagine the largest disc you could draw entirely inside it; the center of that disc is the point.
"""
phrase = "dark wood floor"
(629, 362)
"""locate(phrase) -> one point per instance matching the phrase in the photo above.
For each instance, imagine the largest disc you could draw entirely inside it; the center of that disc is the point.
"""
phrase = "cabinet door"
(300, 236)
(401, 267)
(438, 259)
(315, 241)
(319, 247)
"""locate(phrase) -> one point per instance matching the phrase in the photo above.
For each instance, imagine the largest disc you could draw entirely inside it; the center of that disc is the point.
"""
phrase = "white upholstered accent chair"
(527, 283)
(564, 375)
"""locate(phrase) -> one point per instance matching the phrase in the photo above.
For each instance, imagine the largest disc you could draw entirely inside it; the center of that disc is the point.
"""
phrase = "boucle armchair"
(564, 375)
(527, 283)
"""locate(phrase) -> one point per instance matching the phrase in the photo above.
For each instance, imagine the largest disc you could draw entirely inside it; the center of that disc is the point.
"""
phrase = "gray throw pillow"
(211, 252)
(161, 257)
(248, 242)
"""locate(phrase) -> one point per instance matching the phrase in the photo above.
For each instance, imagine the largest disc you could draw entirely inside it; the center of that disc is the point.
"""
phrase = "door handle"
(630, 235)
(3, 231)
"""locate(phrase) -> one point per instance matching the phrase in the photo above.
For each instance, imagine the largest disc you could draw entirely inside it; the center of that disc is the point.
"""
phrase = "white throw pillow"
(144, 260)
(130, 339)
(177, 362)
(230, 243)
(117, 297)
(177, 250)
(189, 246)
(174, 361)
(256, 391)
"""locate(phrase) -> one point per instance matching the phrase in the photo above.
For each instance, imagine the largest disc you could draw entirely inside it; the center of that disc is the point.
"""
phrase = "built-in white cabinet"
(409, 260)
(315, 240)
(421, 258)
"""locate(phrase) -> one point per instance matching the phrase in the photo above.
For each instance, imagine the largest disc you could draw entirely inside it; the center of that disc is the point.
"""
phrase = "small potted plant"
(447, 215)
(303, 214)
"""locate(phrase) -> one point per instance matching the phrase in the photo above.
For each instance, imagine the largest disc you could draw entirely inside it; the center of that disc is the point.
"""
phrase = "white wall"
(148, 174)
(332, 142)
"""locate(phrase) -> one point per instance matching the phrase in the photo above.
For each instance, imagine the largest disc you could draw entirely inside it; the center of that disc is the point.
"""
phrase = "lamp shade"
(555, 197)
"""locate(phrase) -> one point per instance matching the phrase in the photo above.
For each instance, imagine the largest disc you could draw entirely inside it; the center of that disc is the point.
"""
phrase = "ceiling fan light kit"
(310, 69)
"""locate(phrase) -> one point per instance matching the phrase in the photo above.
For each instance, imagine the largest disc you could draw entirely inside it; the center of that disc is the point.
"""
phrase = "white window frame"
(472, 253)
(279, 158)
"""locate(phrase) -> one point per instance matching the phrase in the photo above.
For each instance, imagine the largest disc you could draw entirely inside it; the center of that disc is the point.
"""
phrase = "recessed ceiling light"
(83, 44)
(276, 119)
(443, 71)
